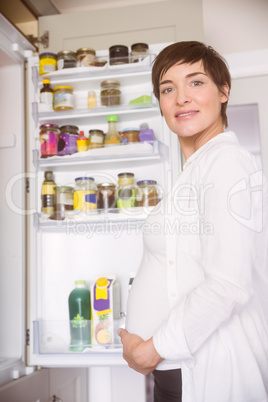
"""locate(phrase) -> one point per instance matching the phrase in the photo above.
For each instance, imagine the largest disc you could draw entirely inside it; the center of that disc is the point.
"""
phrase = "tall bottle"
(80, 316)
(112, 136)
(46, 97)
(48, 193)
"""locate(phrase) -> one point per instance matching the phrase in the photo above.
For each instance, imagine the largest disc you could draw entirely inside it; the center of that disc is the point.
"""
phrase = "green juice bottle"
(80, 316)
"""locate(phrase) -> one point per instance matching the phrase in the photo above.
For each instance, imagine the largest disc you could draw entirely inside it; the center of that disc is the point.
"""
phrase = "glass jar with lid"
(126, 190)
(66, 59)
(63, 202)
(63, 98)
(85, 195)
(106, 196)
(49, 137)
(139, 51)
(146, 193)
(68, 140)
(112, 136)
(110, 92)
(85, 57)
(47, 63)
(96, 138)
(131, 134)
(118, 54)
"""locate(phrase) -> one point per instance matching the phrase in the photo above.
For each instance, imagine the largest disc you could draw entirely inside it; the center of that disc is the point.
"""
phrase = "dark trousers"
(167, 385)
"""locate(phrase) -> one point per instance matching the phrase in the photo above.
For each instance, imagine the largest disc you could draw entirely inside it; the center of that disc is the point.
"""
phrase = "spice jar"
(126, 190)
(66, 59)
(91, 99)
(63, 202)
(96, 139)
(85, 57)
(63, 98)
(118, 54)
(131, 134)
(106, 196)
(68, 140)
(146, 193)
(47, 63)
(139, 51)
(85, 195)
(49, 136)
(110, 93)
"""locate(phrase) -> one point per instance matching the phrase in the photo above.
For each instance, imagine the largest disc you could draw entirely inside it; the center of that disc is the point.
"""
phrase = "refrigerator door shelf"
(138, 151)
(128, 219)
(53, 337)
(81, 74)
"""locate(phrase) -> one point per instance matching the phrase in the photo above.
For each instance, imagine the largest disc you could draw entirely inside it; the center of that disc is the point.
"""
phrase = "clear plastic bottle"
(48, 193)
(112, 137)
(80, 316)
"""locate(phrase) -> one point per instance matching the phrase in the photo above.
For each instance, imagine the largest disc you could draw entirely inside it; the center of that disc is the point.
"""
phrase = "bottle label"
(46, 98)
(48, 189)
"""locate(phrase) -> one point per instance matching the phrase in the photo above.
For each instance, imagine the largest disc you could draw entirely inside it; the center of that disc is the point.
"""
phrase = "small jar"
(110, 93)
(131, 134)
(96, 139)
(91, 99)
(66, 59)
(63, 98)
(106, 196)
(138, 52)
(146, 193)
(85, 57)
(47, 63)
(63, 202)
(49, 137)
(118, 54)
(68, 140)
(82, 144)
(126, 190)
(85, 195)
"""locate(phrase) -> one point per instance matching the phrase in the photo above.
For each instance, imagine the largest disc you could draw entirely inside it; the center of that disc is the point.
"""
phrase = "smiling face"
(191, 104)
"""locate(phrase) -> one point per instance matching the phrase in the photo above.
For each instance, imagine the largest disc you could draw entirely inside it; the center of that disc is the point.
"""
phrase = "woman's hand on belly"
(140, 355)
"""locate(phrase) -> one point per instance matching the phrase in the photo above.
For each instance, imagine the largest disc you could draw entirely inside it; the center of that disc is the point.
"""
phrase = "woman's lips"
(187, 114)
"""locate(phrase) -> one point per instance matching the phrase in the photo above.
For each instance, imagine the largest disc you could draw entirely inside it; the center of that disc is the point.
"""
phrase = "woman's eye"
(166, 90)
(196, 83)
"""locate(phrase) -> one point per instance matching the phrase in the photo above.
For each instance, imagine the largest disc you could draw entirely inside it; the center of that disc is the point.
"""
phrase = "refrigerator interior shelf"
(116, 153)
(112, 220)
(53, 337)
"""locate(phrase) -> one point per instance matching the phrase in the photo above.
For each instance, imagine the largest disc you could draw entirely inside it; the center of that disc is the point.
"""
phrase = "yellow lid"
(102, 282)
(63, 87)
(46, 81)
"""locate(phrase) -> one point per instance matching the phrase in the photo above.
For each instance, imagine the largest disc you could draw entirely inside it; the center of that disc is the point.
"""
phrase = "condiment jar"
(139, 51)
(68, 140)
(66, 59)
(146, 193)
(131, 134)
(85, 57)
(82, 143)
(91, 99)
(49, 136)
(106, 196)
(112, 136)
(63, 202)
(63, 98)
(118, 54)
(85, 195)
(126, 190)
(47, 62)
(96, 139)
(110, 93)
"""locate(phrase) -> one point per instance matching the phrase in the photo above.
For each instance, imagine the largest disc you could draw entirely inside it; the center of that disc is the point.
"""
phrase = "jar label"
(63, 100)
(96, 139)
(85, 200)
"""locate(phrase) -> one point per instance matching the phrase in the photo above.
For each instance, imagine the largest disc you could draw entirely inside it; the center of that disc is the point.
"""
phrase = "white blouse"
(212, 291)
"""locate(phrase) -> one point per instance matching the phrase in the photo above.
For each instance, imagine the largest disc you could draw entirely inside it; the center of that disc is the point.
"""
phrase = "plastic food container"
(63, 98)
(47, 63)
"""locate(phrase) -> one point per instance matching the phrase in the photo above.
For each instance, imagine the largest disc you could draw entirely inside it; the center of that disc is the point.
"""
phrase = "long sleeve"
(233, 211)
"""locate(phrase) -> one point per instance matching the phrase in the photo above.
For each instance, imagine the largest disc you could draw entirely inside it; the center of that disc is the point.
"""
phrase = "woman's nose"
(183, 98)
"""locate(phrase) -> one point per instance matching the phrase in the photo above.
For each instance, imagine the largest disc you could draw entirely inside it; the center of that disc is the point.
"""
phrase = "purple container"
(67, 144)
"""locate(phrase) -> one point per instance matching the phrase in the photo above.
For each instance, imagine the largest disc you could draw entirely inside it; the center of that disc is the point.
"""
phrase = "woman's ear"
(224, 93)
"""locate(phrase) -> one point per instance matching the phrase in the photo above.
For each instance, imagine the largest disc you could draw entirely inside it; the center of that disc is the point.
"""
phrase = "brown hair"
(191, 52)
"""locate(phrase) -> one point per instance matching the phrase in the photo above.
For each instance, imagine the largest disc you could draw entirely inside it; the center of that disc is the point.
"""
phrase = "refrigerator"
(41, 258)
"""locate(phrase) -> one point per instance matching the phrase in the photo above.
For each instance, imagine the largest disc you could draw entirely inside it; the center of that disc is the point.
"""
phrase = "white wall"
(235, 25)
